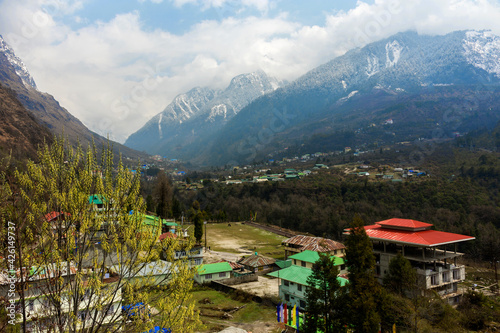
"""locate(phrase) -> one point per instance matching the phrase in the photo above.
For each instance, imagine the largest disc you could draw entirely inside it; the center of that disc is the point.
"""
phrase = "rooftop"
(410, 232)
(256, 260)
(312, 257)
(299, 275)
(317, 244)
(405, 224)
(214, 268)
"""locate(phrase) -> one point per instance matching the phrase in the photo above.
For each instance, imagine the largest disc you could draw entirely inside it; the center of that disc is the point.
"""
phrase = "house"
(39, 297)
(257, 263)
(433, 254)
(158, 224)
(194, 255)
(299, 243)
(307, 258)
(293, 287)
(152, 273)
(213, 272)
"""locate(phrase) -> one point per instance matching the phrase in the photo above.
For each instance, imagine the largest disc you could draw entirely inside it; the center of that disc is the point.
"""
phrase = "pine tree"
(401, 276)
(163, 195)
(363, 287)
(324, 298)
(198, 226)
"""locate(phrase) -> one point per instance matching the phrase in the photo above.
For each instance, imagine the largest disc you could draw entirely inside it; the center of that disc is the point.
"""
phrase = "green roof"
(153, 220)
(218, 267)
(283, 263)
(299, 275)
(313, 256)
(96, 199)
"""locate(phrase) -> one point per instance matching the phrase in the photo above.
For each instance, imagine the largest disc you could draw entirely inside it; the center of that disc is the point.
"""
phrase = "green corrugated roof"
(153, 220)
(218, 267)
(296, 274)
(299, 274)
(283, 263)
(313, 256)
(96, 199)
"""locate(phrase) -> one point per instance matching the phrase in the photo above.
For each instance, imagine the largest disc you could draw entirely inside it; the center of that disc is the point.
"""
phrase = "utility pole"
(205, 223)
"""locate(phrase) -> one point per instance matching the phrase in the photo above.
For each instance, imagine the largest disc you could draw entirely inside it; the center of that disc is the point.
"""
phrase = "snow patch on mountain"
(373, 66)
(216, 111)
(482, 50)
(17, 63)
(392, 53)
(160, 134)
(351, 94)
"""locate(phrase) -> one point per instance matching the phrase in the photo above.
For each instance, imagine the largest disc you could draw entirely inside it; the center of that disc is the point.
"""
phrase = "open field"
(219, 310)
(239, 238)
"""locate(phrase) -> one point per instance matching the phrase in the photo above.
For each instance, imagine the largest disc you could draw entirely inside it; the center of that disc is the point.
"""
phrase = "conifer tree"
(324, 298)
(363, 287)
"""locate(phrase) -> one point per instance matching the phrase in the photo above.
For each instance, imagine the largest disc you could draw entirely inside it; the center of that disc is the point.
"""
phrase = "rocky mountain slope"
(20, 133)
(194, 117)
(44, 108)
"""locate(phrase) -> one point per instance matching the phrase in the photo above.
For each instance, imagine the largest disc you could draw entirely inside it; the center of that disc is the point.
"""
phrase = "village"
(276, 273)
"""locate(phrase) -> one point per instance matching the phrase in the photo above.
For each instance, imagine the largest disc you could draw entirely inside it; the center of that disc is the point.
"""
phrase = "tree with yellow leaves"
(84, 251)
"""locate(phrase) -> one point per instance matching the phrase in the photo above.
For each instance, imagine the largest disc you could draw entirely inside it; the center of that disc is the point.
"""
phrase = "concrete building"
(293, 286)
(433, 254)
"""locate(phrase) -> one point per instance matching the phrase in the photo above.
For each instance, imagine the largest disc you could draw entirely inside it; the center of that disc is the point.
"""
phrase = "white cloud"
(116, 75)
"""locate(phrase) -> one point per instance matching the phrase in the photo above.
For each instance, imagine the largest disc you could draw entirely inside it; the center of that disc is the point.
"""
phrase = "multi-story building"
(293, 286)
(41, 296)
(433, 254)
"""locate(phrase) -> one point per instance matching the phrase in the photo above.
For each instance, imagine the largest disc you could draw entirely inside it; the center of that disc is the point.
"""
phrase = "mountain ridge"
(194, 116)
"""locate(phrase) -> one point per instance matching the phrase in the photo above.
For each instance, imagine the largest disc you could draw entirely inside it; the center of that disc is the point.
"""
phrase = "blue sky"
(114, 64)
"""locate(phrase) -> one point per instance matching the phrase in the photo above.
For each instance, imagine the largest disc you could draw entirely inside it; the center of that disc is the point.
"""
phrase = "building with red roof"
(433, 254)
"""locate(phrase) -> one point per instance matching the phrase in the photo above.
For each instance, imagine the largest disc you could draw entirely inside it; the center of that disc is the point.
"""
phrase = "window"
(286, 283)
(456, 274)
(208, 277)
(197, 261)
(303, 264)
(446, 277)
(222, 274)
(287, 297)
(295, 261)
(434, 279)
(31, 305)
(299, 287)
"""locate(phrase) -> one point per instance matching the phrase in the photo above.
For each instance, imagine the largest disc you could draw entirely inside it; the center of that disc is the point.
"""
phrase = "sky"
(115, 64)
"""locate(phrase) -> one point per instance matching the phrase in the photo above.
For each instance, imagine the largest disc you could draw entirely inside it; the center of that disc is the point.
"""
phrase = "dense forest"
(460, 195)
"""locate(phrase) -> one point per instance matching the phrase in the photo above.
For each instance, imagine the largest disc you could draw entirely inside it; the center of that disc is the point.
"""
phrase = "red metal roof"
(54, 215)
(404, 223)
(421, 238)
(167, 234)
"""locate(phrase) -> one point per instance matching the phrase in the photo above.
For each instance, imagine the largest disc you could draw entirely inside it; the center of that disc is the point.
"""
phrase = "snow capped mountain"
(200, 112)
(348, 87)
(482, 50)
(19, 66)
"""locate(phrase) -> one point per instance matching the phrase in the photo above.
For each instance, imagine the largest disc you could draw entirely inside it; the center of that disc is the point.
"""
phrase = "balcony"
(441, 276)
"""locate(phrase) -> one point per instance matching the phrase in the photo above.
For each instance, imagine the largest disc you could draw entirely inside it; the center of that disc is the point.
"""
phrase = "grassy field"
(240, 237)
(219, 310)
